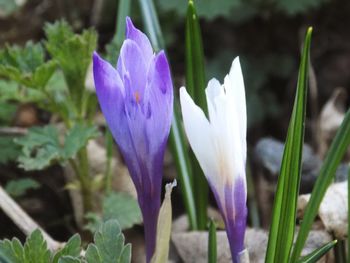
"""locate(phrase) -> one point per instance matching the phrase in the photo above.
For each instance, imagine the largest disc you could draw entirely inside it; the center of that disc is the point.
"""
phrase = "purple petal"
(140, 38)
(132, 70)
(159, 99)
(110, 94)
(236, 216)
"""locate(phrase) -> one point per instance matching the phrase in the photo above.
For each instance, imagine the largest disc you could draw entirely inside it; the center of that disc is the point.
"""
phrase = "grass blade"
(318, 253)
(123, 12)
(177, 137)
(284, 210)
(195, 84)
(333, 158)
(212, 246)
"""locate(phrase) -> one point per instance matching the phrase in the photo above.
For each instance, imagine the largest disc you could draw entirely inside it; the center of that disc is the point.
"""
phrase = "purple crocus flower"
(220, 147)
(136, 99)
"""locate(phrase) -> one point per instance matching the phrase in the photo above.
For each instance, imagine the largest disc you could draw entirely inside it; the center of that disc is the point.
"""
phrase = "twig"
(13, 131)
(23, 220)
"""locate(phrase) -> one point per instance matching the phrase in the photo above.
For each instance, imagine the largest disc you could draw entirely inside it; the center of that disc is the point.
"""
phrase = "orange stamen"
(137, 96)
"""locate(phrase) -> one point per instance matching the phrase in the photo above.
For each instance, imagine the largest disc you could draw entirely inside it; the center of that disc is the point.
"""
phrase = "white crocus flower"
(220, 147)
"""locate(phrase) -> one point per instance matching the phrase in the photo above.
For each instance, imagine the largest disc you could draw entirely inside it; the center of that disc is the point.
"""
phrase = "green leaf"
(26, 65)
(331, 162)
(161, 252)
(9, 151)
(19, 187)
(284, 210)
(35, 249)
(11, 91)
(119, 206)
(77, 138)
(212, 246)
(114, 46)
(109, 245)
(7, 112)
(195, 84)
(11, 251)
(73, 53)
(70, 250)
(314, 256)
(41, 147)
(177, 137)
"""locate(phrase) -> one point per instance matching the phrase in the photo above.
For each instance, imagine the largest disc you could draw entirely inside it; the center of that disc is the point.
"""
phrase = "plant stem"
(109, 155)
(84, 177)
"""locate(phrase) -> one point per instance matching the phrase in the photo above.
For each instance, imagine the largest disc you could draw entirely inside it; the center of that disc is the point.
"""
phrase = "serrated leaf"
(77, 138)
(11, 251)
(69, 251)
(73, 53)
(109, 245)
(35, 249)
(11, 91)
(119, 206)
(19, 187)
(26, 65)
(9, 150)
(40, 148)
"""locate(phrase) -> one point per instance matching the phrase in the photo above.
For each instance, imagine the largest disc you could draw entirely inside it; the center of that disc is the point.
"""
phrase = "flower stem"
(84, 177)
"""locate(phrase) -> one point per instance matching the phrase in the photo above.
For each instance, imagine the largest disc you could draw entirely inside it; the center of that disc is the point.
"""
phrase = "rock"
(192, 246)
(268, 154)
(333, 210)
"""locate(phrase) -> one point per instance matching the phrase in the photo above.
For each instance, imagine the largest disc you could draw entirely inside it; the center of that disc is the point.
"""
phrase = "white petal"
(213, 90)
(198, 133)
(234, 85)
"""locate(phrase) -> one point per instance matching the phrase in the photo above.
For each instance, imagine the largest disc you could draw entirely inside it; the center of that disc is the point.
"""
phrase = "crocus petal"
(132, 70)
(158, 99)
(140, 38)
(234, 85)
(198, 133)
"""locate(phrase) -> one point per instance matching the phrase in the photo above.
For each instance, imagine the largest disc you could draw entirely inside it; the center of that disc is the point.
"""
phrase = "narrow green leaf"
(348, 213)
(284, 210)
(212, 246)
(333, 158)
(195, 84)
(161, 252)
(318, 253)
(177, 137)
(150, 17)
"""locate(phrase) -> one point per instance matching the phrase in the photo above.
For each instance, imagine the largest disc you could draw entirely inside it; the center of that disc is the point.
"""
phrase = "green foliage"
(108, 248)
(196, 84)
(331, 162)
(7, 111)
(71, 249)
(212, 244)
(73, 53)
(26, 65)
(296, 7)
(285, 204)
(109, 245)
(34, 251)
(314, 256)
(9, 151)
(19, 187)
(119, 206)
(41, 147)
